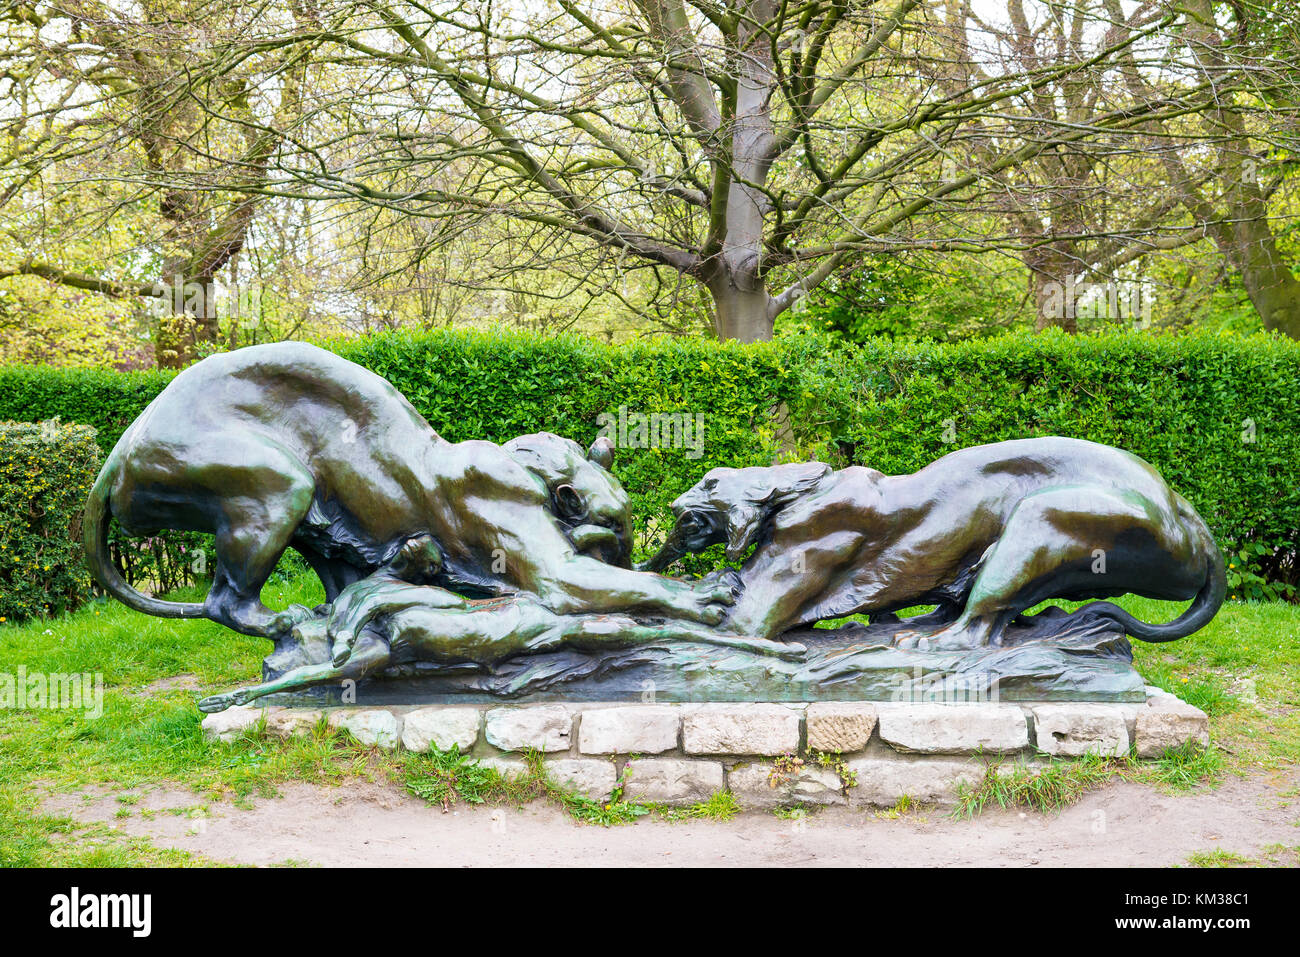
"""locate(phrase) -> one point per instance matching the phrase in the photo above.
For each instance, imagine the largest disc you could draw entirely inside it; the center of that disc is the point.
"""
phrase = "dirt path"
(367, 824)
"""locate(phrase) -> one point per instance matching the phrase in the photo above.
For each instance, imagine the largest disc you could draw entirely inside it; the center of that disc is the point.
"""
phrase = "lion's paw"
(948, 639)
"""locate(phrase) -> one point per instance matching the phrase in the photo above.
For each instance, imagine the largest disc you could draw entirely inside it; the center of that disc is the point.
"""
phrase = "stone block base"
(767, 754)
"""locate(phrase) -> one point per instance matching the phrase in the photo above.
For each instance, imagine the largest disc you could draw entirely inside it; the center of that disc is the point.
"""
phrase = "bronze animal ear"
(745, 526)
(602, 452)
(568, 502)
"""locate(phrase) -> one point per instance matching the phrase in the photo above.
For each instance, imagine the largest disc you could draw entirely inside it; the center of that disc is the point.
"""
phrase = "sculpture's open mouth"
(698, 530)
(694, 531)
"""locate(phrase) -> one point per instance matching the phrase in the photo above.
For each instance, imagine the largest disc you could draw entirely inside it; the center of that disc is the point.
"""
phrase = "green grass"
(1274, 855)
(1047, 787)
(1244, 669)
(444, 778)
(901, 808)
(721, 806)
(1051, 785)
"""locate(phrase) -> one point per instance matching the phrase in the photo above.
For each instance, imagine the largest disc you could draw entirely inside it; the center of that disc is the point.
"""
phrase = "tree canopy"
(682, 165)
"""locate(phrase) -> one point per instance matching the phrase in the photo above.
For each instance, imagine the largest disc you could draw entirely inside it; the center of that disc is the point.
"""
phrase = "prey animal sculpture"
(417, 622)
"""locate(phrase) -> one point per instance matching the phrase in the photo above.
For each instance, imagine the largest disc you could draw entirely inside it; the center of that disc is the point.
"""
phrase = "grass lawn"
(1243, 670)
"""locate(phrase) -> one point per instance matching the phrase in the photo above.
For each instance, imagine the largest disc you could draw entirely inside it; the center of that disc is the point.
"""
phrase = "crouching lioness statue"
(984, 534)
(288, 445)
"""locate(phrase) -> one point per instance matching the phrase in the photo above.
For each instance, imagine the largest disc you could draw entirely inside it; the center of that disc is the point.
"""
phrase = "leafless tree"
(1224, 163)
(752, 146)
(747, 148)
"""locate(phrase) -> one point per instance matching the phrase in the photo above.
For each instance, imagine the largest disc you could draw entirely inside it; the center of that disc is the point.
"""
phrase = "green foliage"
(1043, 788)
(1059, 783)
(443, 777)
(1185, 767)
(1271, 855)
(108, 400)
(900, 297)
(1217, 415)
(46, 469)
(163, 562)
(1248, 578)
(496, 386)
(720, 806)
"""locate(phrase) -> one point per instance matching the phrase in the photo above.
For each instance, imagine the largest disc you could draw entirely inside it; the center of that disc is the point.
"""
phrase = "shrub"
(108, 400)
(497, 386)
(46, 468)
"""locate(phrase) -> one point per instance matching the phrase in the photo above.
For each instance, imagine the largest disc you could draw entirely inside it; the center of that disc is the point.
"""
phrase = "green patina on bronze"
(476, 571)
(983, 533)
(288, 445)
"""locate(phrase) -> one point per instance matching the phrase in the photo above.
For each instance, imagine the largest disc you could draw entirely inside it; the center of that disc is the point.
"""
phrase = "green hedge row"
(46, 469)
(108, 400)
(1218, 416)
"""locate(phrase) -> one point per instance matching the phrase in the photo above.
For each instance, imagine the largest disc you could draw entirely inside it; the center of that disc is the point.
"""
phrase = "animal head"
(732, 506)
(585, 497)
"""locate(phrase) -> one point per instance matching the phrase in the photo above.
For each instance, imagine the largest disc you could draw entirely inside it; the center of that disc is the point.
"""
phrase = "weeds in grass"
(1183, 768)
(903, 806)
(1058, 784)
(1046, 787)
(1221, 858)
(1206, 691)
(721, 806)
(444, 777)
(604, 813)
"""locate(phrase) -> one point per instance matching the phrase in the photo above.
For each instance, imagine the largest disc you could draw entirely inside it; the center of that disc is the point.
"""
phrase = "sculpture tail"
(94, 537)
(1197, 616)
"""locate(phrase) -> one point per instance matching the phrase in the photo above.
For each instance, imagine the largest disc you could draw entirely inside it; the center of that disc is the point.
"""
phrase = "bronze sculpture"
(983, 533)
(285, 445)
(477, 570)
(425, 623)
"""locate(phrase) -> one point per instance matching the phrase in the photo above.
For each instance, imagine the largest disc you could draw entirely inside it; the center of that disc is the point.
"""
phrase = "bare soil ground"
(364, 824)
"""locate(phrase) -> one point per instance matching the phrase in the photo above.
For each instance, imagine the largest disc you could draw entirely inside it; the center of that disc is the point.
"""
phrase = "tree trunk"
(740, 296)
(1273, 288)
(740, 314)
(1051, 274)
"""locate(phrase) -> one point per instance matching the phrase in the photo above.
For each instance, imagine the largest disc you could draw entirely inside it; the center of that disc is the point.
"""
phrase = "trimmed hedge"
(106, 399)
(1218, 416)
(46, 469)
(498, 386)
